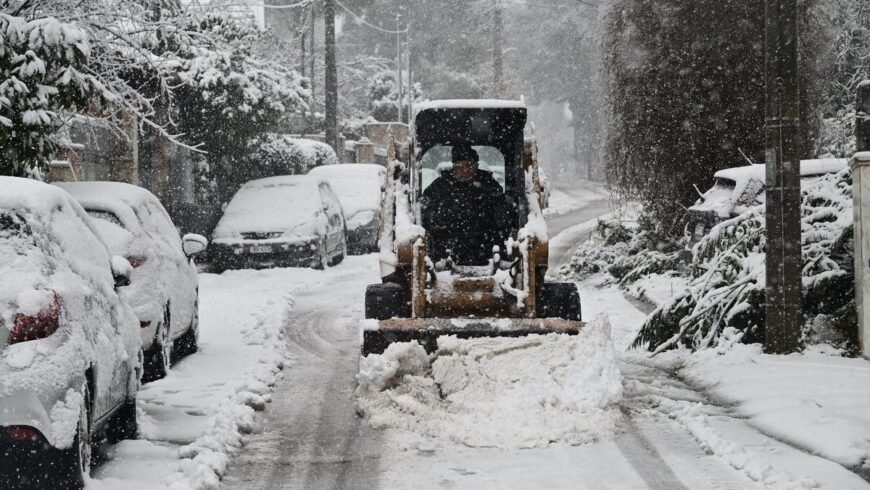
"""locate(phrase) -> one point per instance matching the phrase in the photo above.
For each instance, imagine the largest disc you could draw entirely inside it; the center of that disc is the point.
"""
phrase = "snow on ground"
(657, 288)
(504, 392)
(765, 416)
(816, 400)
(192, 421)
(564, 200)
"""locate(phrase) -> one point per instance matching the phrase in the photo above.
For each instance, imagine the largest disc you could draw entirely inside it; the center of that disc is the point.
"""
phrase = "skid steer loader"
(421, 299)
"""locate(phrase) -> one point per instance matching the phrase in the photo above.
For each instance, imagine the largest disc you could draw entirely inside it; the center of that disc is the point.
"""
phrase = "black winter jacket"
(467, 218)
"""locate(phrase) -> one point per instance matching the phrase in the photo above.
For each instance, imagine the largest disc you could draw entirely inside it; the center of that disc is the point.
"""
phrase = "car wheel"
(558, 300)
(75, 462)
(189, 342)
(159, 357)
(342, 253)
(123, 424)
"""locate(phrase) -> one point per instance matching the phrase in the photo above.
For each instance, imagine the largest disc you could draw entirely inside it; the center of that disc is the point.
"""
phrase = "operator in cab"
(465, 212)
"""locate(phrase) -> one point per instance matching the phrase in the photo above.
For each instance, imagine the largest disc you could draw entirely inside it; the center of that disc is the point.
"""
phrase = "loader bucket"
(377, 335)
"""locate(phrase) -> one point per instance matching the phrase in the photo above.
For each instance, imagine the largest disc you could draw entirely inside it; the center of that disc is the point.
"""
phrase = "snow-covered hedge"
(728, 277)
(626, 254)
(279, 154)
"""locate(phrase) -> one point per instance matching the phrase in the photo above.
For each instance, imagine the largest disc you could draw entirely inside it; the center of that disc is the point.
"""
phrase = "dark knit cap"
(464, 152)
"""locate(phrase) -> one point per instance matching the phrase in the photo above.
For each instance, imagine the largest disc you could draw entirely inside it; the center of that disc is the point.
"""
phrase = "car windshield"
(13, 225)
(105, 216)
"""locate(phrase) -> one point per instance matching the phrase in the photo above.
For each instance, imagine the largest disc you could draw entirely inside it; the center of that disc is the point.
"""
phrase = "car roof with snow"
(808, 168)
(117, 198)
(469, 104)
(737, 187)
(49, 212)
(357, 185)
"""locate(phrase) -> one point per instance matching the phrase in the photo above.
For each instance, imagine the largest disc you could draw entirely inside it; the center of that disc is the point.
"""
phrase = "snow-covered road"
(230, 417)
(310, 436)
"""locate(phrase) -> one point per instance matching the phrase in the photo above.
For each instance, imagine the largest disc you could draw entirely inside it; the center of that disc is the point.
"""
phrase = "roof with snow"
(808, 168)
(469, 104)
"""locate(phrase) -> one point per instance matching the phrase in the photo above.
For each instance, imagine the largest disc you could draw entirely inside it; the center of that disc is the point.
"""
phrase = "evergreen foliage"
(226, 98)
(42, 73)
(849, 64)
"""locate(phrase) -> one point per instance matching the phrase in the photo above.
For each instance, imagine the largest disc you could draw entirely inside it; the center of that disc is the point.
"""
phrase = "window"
(437, 161)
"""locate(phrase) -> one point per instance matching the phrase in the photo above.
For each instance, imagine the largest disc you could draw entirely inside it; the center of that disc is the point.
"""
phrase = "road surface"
(310, 436)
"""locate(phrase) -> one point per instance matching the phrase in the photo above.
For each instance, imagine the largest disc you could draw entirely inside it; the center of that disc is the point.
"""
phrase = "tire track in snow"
(312, 437)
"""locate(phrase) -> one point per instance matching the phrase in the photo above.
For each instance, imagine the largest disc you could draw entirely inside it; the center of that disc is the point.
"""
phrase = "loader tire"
(559, 300)
(384, 301)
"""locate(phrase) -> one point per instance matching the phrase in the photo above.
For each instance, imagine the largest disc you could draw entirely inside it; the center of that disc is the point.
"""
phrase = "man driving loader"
(465, 211)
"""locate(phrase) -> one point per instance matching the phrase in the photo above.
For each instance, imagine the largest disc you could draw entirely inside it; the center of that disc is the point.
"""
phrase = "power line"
(363, 21)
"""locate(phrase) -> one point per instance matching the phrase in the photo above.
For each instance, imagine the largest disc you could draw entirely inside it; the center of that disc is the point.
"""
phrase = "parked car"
(737, 189)
(359, 187)
(70, 356)
(164, 286)
(286, 221)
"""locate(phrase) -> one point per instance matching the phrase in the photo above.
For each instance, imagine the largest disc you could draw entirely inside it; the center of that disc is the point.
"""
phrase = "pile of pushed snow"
(502, 392)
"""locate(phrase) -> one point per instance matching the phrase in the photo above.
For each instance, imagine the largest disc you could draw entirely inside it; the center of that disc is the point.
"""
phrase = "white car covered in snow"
(163, 288)
(359, 187)
(70, 355)
(737, 189)
(286, 221)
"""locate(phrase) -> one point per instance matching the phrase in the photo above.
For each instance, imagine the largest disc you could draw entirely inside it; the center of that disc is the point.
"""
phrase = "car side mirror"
(193, 244)
(121, 271)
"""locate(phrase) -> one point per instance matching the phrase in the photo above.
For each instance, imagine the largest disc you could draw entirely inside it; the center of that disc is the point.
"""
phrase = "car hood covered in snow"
(288, 206)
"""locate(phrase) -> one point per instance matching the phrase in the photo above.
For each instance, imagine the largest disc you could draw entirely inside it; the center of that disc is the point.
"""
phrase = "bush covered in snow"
(279, 154)
(42, 72)
(728, 277)
(725, 273)
(625, 253)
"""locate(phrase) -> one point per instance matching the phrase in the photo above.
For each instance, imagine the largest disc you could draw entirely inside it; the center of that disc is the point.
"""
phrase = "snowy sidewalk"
(193, 420)
(766, 416)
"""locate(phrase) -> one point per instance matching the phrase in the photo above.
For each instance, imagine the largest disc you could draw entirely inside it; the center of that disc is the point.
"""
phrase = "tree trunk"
(331, 78)
(497, 51)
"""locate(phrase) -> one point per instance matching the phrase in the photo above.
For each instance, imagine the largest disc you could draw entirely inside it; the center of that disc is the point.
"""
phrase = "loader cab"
(494, 130)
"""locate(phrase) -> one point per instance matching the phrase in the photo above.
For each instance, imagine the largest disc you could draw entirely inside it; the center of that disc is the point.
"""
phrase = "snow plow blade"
(377, 335)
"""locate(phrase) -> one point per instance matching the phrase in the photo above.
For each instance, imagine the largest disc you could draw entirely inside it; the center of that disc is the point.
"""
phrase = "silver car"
(163, 288)
(286, 221)
(70, 356)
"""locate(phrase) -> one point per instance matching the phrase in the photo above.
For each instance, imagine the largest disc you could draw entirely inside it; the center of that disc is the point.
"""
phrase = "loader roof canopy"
(475, 122)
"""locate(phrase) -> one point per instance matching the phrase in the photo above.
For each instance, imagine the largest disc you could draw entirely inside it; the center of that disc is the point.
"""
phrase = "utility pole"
(302, 46)
(861, 194)
(331, 78)
(410, 78)
(312, 56)
(497, 52)
(783, 208)
(398, 71)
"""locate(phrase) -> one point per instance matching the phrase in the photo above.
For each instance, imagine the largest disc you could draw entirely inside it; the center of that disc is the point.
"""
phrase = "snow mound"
(503, 392)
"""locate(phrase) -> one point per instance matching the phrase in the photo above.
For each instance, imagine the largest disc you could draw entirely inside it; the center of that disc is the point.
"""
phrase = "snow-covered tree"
(686, 89)
(383, 96)
(849, 64)
(226, 98)
(43, 71)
